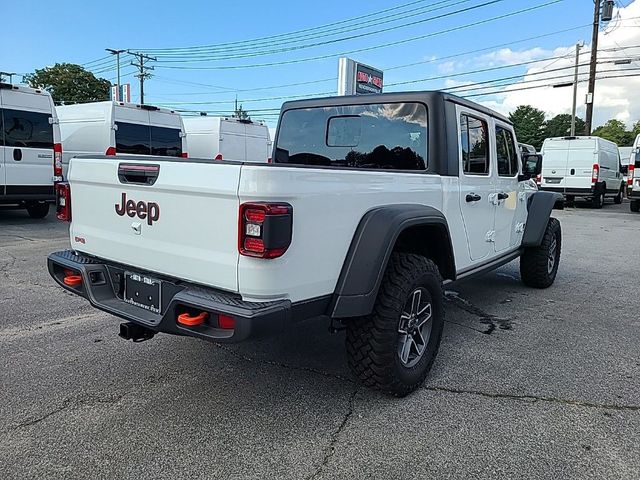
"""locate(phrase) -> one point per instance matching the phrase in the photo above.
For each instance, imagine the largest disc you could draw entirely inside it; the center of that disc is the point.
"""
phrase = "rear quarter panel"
(327, 205)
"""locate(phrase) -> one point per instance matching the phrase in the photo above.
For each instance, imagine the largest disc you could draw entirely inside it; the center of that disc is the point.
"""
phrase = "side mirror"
(531, 166)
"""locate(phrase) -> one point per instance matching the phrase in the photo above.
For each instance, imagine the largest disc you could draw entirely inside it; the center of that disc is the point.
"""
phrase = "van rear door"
(581, 155)
(167, 135)
(257, 143)
(28, 143)
(233, 140)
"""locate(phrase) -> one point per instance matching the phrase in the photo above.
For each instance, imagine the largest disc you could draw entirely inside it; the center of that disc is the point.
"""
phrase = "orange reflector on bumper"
(72, 280)
(192, 321)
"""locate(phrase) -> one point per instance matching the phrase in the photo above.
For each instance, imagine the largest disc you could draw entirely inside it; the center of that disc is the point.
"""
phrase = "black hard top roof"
(428, 97)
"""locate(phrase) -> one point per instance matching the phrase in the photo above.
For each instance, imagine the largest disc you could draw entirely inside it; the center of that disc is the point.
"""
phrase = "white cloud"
(614, 97)
(447, 67)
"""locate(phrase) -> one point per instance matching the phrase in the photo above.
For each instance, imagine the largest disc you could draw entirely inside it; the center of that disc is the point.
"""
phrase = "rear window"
(133, 138)
(389, 136)
(139, 139)
(23, 129)
(166, 142)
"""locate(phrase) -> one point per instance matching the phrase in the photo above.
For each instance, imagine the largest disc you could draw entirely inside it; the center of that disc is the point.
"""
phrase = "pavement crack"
(71, 403)
(536, 398)
(249, 359)
(492, 322)
(331, 448)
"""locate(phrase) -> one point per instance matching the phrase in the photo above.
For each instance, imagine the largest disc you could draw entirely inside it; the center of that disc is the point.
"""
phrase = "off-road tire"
(38, 209)
(618, 198)
(634, 205)
(535, 268)
(372, 341)
(598, 197)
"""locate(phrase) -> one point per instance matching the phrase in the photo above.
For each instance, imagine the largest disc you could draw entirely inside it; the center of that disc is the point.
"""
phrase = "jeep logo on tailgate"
(143, 210)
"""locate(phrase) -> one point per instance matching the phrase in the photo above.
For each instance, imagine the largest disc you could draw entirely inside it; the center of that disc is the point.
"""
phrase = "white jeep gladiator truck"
(371, 205)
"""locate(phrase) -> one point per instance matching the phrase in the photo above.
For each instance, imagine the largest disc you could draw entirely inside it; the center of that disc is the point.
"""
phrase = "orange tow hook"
(73, 280)
(192, 321)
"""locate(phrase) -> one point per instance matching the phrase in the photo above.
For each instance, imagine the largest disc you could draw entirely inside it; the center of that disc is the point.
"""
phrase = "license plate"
(143, 292)
(553, 180)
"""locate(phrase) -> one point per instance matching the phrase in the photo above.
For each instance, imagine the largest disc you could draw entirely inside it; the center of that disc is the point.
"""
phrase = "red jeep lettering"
(143, 210)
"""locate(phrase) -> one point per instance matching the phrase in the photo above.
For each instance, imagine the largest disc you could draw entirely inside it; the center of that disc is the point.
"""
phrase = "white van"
(587, 167)
(30, 150)
(227, 138)
(112, 128)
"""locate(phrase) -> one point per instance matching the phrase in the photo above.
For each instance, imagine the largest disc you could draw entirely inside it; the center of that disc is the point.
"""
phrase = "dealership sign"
(357, 78)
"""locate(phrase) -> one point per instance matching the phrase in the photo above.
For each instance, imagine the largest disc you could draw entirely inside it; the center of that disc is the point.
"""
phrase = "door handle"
(503, 196)
(472, 197)
(17, 154)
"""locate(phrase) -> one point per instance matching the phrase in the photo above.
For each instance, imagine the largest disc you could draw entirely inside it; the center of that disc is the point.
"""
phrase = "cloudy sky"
(207, 53)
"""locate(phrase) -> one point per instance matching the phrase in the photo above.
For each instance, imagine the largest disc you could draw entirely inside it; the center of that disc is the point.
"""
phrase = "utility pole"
(575, 90)
(144, 70)
(592, 67)
(7, 74)
(117, 54)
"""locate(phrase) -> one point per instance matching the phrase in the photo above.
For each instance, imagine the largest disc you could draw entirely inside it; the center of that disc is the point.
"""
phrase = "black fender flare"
(369, 253)
(539, 209)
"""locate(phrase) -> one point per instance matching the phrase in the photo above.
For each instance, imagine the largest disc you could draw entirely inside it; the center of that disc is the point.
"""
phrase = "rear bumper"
(578, 192)
(102, 285)
(634, 194)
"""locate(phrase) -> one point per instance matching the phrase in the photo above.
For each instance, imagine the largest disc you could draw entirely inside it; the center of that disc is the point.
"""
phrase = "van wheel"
(539, 265)
(635, 206)
(598, 198)
(393, 348)
(38, 209)
(618, 198)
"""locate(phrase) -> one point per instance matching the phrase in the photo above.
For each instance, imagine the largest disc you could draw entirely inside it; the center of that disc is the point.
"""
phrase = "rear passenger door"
(506, 198)
(476, 182)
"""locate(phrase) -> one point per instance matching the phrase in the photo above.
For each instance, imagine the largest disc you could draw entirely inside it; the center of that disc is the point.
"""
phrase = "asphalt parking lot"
(535, 384)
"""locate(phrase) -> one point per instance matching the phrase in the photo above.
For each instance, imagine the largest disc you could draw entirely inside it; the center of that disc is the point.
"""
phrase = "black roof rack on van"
(7, 86)
(569, 138)
(148, 107)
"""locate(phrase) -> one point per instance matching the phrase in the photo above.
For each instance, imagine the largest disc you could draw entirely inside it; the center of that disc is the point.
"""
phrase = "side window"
(24, 129)
(133, 138)
(166, 142)
(507, 156)
(474, 139)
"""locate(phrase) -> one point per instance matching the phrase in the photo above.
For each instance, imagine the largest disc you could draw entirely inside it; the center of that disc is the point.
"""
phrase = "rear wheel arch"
(417, 229)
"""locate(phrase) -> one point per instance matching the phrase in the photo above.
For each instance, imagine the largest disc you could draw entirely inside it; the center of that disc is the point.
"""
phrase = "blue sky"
(78, 32)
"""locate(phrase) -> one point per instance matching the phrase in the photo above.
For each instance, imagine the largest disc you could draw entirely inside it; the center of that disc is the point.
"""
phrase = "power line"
(253, 51)
(375, 47)
(287, 36)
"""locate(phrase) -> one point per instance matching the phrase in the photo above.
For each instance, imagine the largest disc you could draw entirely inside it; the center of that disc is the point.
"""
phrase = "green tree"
(69, 83)
(616, 131)
(528, 123)
(560, 126)
(635, 131)
(241, 114)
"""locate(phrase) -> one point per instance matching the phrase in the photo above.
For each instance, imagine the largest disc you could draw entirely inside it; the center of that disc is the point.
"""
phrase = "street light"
(117, 54)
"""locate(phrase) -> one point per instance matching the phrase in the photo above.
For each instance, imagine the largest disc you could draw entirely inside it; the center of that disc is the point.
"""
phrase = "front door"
(507, 197)
(476, 183)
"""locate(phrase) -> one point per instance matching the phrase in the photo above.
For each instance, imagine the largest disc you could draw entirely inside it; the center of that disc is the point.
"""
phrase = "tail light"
(539, 179)
(632, 169)
(57, 162)
(595, 173)
(184, 155)
(264, 229)
(111, 152)
(218, 157)
(269, 160)
(63, 201)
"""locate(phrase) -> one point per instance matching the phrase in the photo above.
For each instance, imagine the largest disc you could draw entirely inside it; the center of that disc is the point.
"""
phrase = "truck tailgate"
(183, 225)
